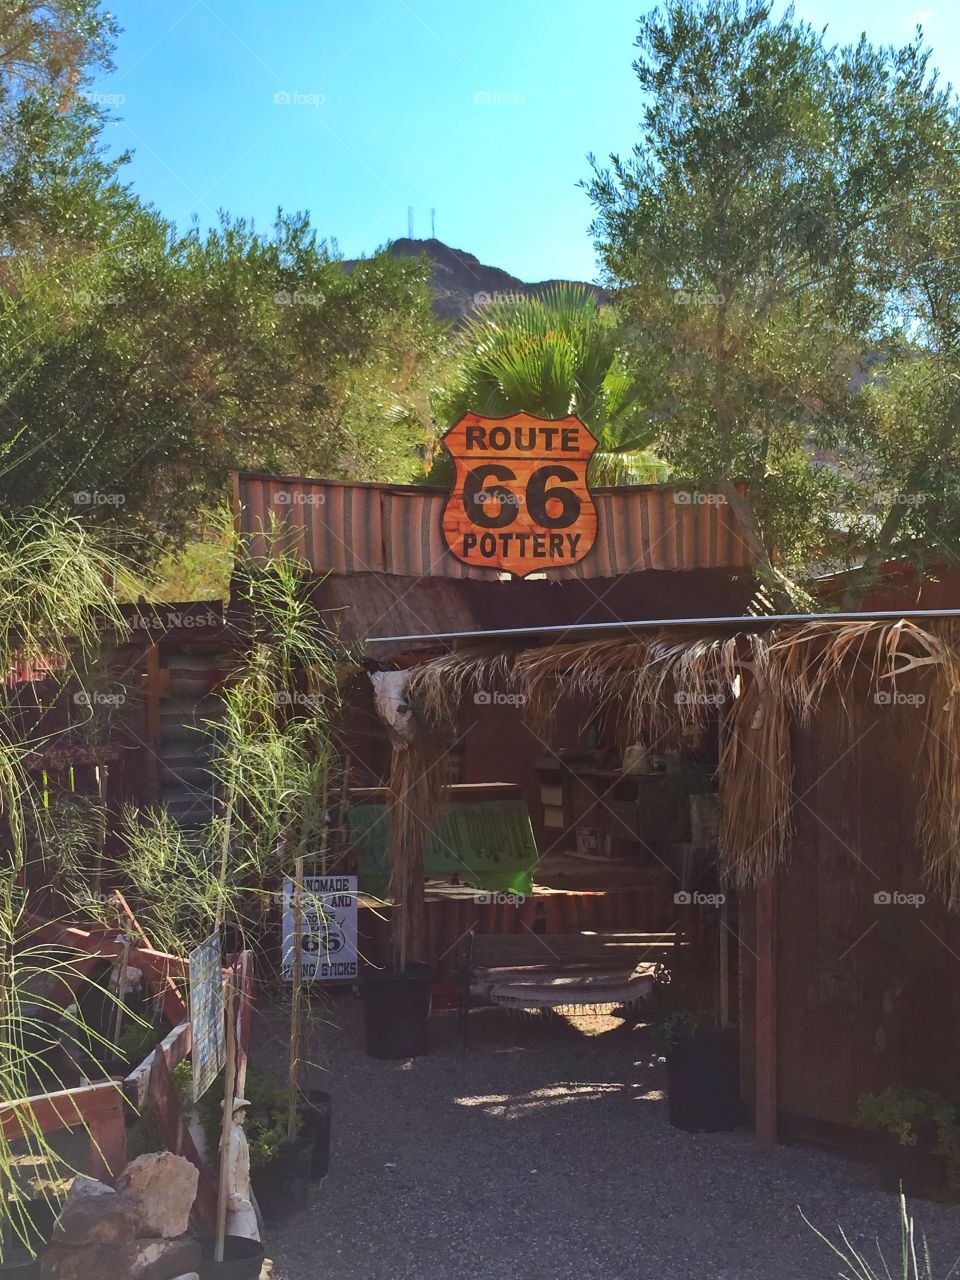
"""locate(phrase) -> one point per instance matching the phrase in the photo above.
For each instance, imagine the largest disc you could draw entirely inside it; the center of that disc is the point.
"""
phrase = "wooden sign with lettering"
(520, 502)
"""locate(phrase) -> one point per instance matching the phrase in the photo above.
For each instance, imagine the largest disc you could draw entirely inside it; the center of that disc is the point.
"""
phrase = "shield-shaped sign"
(520, 502)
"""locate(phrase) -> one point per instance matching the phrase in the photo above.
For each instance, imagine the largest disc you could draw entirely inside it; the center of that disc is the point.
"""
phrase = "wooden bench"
(586, 970)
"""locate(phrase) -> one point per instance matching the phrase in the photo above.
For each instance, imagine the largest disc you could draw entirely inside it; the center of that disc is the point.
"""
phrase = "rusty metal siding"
(358, 528)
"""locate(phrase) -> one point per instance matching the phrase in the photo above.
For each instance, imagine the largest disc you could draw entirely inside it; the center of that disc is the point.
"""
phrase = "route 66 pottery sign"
(520, 502)
(328, 928)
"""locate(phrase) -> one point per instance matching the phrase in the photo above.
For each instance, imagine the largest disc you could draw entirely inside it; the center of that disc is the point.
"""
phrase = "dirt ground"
(544, 1152)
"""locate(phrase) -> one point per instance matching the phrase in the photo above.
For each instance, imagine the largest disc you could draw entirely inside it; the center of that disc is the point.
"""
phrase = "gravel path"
(544, 1152)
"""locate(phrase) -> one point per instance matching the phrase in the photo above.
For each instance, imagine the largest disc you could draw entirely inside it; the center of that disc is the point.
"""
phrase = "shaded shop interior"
(646, 749)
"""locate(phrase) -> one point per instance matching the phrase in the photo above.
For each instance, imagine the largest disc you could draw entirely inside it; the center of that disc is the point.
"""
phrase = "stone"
(86, 1262)
(163, 1188)
(94, 1213)
(165, 1258)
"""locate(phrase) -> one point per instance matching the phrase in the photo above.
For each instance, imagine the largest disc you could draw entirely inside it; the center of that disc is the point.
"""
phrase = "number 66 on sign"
(520, 502)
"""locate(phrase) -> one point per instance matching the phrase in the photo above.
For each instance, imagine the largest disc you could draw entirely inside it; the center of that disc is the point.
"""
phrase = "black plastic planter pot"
(242, 1259)
(703, 1081)
(396, 1012)
(282, 1187)
(316, 1116)
(18, 1265)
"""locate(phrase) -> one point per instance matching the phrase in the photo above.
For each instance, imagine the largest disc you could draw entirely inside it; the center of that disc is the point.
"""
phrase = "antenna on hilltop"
(433, 224)
(410, 221)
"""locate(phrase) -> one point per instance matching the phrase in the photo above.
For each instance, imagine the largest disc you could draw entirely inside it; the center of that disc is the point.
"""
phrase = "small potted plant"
(703, 1072)
(279, 1166)
(920, 1150)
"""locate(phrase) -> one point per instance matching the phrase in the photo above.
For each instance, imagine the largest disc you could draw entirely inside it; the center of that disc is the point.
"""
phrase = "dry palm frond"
(666, 683)
(438, 687)
(820, 655)
(419, 774)
(756, 784)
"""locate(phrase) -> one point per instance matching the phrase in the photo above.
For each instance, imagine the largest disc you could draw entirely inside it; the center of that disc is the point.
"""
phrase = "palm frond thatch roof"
(760, 684)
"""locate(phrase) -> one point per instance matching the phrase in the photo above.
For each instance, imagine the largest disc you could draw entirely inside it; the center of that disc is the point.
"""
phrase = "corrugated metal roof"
(396, 529)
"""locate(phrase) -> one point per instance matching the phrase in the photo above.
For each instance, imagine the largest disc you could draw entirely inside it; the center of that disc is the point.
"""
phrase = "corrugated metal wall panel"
(344, 528)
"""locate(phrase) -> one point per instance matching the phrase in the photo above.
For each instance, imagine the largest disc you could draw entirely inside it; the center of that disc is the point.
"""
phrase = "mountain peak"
(460, 282)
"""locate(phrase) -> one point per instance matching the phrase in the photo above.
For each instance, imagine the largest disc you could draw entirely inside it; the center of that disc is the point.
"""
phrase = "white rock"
(163, 1188)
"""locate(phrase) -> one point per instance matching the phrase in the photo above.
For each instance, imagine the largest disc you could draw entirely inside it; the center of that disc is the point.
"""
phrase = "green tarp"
(485, 843)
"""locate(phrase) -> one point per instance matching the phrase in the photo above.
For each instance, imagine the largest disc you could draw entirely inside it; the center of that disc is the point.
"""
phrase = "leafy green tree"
(755, 237)
(52, 46)
(910, 430)
(139, 365)
(134, 378)
(553, 354)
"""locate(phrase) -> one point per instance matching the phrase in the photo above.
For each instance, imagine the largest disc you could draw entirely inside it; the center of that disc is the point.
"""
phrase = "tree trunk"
(781, 590)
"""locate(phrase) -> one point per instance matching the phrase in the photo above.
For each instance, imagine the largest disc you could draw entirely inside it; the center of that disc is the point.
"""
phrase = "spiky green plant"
(553, 354)
(56, 600)
(915, 1262)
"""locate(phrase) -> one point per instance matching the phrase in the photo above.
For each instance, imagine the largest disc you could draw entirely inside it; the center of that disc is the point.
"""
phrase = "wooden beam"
(159, 966)
(243, 1019)
(154, 692)
(108, 1139)
(766, 1011)
(64, 1109)
(173, 1048)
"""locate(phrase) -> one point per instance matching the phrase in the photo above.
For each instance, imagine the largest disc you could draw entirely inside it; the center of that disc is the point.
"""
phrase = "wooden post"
(102, 773)
(153, 694)
(766, 1011)
(324, 788)
(108, 1138)
(724, 955)
(342, 830)
(226, 1125)
(296, 1013)
(243, 1021)
(121, 982)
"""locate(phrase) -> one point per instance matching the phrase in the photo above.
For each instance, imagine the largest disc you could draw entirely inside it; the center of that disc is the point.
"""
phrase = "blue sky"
(358, 109)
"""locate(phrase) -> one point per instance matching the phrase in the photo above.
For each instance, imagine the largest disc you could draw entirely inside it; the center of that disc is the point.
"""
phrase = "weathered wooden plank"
(63, 1109)
(766, 1011)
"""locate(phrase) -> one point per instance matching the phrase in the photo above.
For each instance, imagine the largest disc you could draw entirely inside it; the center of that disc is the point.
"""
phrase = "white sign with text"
(328, 928)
